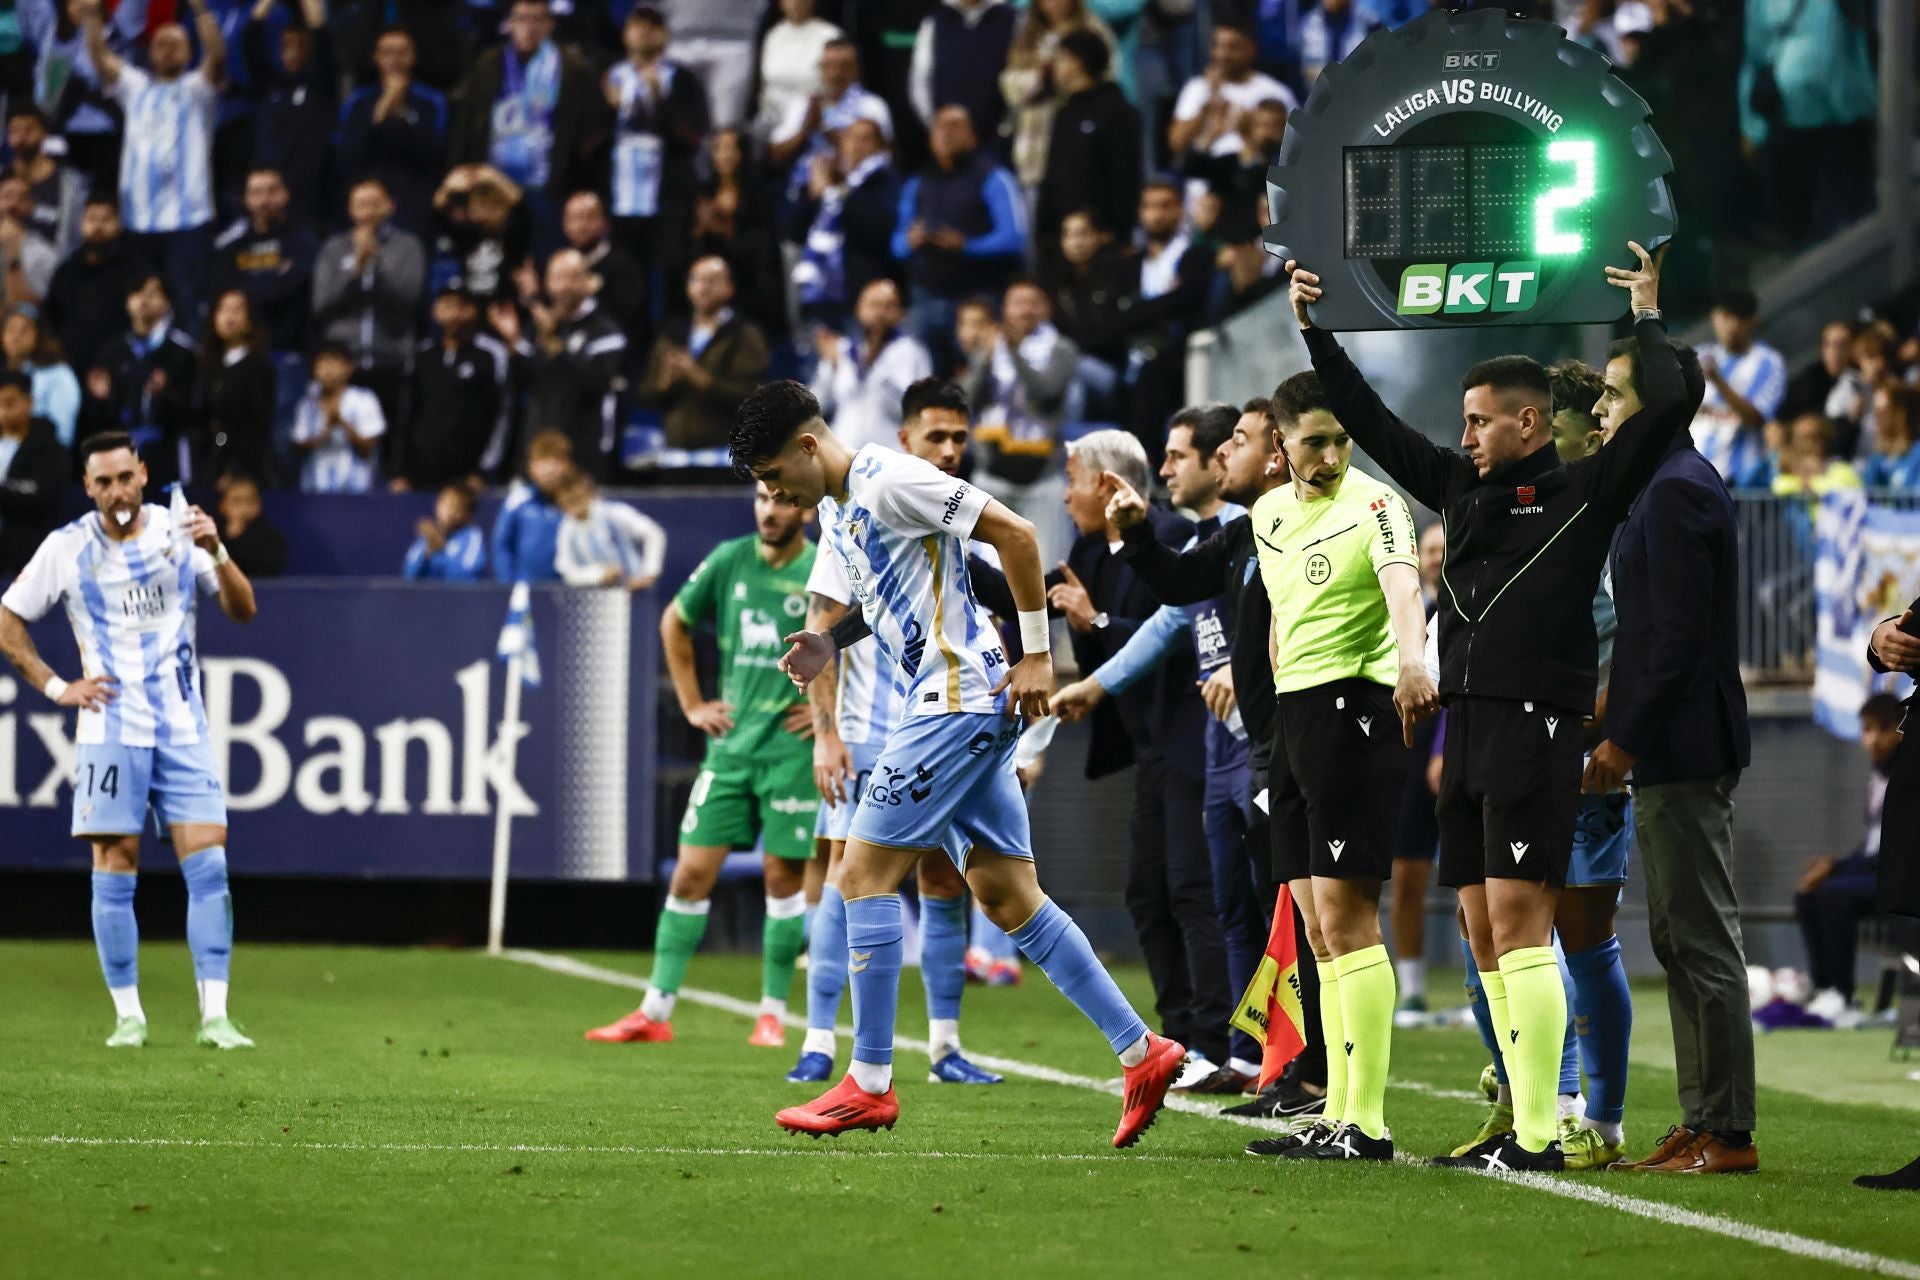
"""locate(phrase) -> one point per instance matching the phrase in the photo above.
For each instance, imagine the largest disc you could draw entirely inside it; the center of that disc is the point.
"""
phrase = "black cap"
(456, 286)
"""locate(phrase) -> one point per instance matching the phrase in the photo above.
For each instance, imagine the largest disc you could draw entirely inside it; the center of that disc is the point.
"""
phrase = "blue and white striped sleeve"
(1146, 649)
(1769, 384)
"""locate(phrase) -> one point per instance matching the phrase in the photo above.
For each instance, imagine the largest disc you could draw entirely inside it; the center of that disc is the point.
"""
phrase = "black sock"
(1734, 1137)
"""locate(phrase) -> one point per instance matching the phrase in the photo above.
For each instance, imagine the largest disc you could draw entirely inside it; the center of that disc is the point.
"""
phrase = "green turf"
(370, 1136)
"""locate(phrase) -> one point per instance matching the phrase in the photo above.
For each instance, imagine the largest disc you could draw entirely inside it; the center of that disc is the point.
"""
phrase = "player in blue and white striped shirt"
(899, 527)
(126, 574)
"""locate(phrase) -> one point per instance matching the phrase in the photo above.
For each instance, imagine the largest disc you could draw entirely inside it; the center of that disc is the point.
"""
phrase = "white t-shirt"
(863, 403)
(790, 68)
(901, 538)
(131, 605)
(334, 466)
(1245, 96)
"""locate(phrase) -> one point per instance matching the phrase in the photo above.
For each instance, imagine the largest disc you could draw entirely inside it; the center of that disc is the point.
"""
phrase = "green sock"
(1367, 992)
(1332, 1027)
(675, 939)
(782, 937)
(1494, 986)
(1536, 1014)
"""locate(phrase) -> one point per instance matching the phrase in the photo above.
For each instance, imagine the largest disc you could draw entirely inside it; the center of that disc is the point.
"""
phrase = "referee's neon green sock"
(782, 936)
(1494, 986)
(1536, 1009)
(1333, 1028)
(1367, 992)
(676, 938)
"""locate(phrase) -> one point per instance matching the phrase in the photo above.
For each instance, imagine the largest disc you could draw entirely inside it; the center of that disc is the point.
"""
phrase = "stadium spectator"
(238, 383)
(27, 258)
(1746, 380)
(269, 256)
(1018, 379)
(577, 379)
(1807, 390)
(1835, 893)
(661, 120)
(448, 547)
(843, 223)
(295, 98)
(1029, 84)
(626, 282)
(533, 111)
(1850, 403)
(1895, 462)
(368, 283)
(1093, 152)
(812, 125)
(86, 303)
(58, 190)
(255, 544)
(526, 532)
(1088, 283)
(701, 367)
(166, 155)
(604, 543)
(789, 58)
(861, 377)
(143, 383)
(66, 84)
(485, 229)
(956, 45)
(33, 474)
(1169, 299)
(733, 220)
(1329, 32)
(1240, 179)
(29, 348)
(961, 229)
(436, 29)
(1808, 99)
(1803, 465)
(715, 40)
(338, 427)
(1213, 107)
(459, 381)
(394, 131)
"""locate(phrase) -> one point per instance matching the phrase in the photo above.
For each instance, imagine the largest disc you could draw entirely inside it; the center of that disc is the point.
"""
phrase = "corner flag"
(516, 635)
(1270, 1010)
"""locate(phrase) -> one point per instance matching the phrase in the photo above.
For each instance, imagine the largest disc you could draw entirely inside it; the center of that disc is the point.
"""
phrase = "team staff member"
(1527, 537)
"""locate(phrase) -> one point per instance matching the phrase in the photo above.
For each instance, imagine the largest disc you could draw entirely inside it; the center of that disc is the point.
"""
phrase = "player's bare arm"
(712, 718)
(1030, 680)
(92, 694)
(832, 765)
(236, 591)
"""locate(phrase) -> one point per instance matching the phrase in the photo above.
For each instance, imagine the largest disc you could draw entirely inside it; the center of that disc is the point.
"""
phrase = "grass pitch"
(423, 1113)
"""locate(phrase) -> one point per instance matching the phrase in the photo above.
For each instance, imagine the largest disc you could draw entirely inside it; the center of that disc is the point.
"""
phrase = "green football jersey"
(750, 605)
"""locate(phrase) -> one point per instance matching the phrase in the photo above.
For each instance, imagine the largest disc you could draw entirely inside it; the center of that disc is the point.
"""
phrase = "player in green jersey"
(757, 778)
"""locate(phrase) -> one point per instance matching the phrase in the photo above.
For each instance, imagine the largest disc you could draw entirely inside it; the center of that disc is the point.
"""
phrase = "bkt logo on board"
(1469, 287)
(1473, 60)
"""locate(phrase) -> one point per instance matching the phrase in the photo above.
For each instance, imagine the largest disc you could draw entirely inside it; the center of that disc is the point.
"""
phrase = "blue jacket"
(462, 559)
(526, 536)
(1675, 701)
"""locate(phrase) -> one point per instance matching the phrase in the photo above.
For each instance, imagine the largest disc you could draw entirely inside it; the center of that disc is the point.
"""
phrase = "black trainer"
(1311, 1135)
(1282, 1100)
(1904, 1179)
(1503, 1153)
(1347, 1142)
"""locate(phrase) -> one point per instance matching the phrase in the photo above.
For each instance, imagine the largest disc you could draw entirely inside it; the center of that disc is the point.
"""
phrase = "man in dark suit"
(33, 475)
(1168, 300)
(1676, 720)
(1158, 725)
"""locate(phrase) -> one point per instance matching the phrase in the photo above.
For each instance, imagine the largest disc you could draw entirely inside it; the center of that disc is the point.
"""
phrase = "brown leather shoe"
(1707, 1154)
(1678, 1139)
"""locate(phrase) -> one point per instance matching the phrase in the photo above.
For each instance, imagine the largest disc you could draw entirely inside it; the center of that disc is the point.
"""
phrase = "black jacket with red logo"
(1526, 544)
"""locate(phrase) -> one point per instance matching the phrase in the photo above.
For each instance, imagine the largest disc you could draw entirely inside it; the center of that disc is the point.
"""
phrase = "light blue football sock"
(1054, 942)
(1482, 1016)
(826, 960)
(874, 950)
(1603, 1016)
(116, 933)
(991, 938)
(1570, 1046)
(209, 914)
(943, 955)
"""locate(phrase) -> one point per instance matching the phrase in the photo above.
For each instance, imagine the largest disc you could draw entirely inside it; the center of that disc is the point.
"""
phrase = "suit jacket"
(736, 358)
(1675, 701)
(1162, 713)
(30, 496)
(1900, 816)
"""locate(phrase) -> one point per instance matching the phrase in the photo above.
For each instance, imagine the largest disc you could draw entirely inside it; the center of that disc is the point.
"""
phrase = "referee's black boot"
(1346, 1143)
(1504, 1154)
(1314, 1134)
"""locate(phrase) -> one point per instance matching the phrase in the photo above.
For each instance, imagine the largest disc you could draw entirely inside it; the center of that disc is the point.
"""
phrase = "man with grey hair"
(1158, 724)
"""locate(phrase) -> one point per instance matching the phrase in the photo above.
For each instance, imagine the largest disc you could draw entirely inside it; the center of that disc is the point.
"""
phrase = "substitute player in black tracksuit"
(1527, 538)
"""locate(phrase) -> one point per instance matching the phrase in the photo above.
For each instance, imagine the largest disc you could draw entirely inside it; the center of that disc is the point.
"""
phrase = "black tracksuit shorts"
(1509, 791)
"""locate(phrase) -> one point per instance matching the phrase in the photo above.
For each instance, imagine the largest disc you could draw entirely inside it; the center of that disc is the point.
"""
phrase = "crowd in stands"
(352, 247)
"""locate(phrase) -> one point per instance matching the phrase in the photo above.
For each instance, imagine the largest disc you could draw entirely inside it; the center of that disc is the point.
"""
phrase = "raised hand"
(1126, 507)
(1305, 289)
(1642, 284)
(1070, 598)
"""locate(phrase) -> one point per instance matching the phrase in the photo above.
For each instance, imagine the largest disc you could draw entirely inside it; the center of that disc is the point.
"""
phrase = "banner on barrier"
(1866, 568)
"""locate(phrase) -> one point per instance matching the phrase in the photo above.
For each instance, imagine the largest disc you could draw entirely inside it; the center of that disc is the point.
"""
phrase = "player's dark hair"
(1300, 394)
(1882, 711)
(1691, 378)
(1090, 51)
(105, 442)
(1577, 386)
(1210, 424)
(932, 393)
(1512, 373)
(1737, 301)
(140, 282)
(767, 420)
(18, 381)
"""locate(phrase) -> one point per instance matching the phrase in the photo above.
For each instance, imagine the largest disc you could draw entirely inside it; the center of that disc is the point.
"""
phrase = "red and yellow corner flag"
(1270, 1010)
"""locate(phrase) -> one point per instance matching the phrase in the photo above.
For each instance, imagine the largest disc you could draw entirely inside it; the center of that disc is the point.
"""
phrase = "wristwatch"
(1100, 621)
(1647, 313)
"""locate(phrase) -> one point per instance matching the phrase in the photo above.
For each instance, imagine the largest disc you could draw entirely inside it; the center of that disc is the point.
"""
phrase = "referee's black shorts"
(1509, 791)
(1338, 767)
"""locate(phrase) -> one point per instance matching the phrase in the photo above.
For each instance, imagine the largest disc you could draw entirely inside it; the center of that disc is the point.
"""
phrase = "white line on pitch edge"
(1566, 1188)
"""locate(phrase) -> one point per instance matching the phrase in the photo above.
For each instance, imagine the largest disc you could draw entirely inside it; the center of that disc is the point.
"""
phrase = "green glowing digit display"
(1549, 241)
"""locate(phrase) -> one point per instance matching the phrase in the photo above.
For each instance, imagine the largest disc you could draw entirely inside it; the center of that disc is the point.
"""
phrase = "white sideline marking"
(1566, 1188)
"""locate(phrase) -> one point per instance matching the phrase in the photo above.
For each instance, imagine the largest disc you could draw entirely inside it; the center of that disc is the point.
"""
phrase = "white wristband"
(54, 688)
(1035, 635)
(220, 555)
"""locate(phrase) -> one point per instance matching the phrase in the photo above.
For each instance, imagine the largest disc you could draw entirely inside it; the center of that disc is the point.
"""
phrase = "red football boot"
(768, 1033)
(843, 1107)
(634, 1028)
(1146, 1088)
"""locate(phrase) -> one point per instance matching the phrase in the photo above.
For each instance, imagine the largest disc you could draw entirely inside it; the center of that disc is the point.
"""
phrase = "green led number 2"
(1549, 240)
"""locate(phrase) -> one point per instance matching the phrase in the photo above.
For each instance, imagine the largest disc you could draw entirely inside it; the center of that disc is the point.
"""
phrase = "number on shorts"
(701, 785)
(107, 783)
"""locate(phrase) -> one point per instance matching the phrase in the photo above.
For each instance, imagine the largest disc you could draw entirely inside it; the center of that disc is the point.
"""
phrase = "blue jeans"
(1235, 899)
